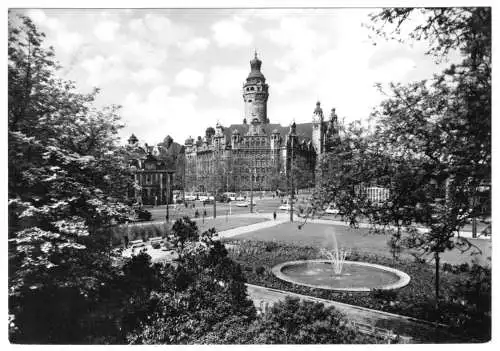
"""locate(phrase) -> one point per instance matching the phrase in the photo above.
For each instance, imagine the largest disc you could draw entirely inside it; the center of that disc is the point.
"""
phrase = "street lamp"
(252, 175)
(167, 215)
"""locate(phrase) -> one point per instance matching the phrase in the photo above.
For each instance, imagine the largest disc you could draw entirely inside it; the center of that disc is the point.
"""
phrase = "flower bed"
(416, 300)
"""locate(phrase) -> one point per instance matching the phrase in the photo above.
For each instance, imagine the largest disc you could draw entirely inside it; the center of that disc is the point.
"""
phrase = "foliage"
(183, 231)
(67, 179)
(143, 215)
(431, 145)
(196, 295)
(293, 321)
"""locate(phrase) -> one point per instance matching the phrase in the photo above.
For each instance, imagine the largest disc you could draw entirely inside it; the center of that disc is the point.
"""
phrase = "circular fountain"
(335, 273)
(355, 276)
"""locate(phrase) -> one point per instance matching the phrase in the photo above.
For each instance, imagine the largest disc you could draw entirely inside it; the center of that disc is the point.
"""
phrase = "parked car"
(244, 204)
(203, 197)
(240, 198)
(332, 210)
(285, 207)
(190, 197)
(222, 198)
(230, 196)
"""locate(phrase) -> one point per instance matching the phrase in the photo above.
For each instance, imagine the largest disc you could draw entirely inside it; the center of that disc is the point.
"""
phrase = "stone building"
(153, 175)
(256, 153)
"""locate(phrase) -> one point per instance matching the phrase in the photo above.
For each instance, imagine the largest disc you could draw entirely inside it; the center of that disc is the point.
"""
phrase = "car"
(202, 198)
(240, 198)
(332, 210)
(230, 196)
(190, 197)
(137, 245)
(244, 204)
(285, 207)
(211, 197)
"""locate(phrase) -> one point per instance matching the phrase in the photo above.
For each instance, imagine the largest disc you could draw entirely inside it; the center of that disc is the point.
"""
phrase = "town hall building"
(257, 154)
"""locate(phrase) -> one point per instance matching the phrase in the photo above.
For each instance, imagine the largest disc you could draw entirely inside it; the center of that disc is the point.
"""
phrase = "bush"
(464, 267)
(294, 321)
(143, 215)
(382, 294)
(260, 270)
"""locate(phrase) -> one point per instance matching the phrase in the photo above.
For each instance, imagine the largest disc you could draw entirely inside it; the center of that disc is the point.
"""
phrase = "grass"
(320, 235)
(415, 300)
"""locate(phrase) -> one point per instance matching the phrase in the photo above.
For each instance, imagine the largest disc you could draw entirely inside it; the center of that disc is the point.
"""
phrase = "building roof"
(303, 130)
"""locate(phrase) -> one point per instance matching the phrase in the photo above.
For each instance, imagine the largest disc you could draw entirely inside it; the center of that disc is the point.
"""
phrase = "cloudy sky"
(179, 71)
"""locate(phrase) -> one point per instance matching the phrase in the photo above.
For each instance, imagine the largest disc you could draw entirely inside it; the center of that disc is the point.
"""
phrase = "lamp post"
(291, 182)
(251, 192)
(167, 214)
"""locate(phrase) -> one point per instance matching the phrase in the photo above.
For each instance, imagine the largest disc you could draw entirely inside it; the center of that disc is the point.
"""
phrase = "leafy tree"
(66, 179)
(431, 146)
(184, 230)
(197, 294)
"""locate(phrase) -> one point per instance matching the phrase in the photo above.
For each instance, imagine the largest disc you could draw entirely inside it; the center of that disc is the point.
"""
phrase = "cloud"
(231, 33)
(147, 54)
(159, 29)
(194, 45)
(69, 41)
(106, 30)
(226, 81)
(157, 114)
(189, 78)
(103, 69)
(147, 75)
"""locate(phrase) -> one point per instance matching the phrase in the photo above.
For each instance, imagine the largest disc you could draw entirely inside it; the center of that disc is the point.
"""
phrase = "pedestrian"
(274, 215)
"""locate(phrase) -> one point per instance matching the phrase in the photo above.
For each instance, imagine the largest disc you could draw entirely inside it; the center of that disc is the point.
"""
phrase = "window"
(250, 100)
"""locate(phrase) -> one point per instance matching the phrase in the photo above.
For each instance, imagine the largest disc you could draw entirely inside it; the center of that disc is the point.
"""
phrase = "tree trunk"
(436, 257)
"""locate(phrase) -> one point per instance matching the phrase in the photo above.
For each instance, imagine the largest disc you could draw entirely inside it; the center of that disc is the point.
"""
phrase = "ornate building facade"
(153, 175)
(257, 154)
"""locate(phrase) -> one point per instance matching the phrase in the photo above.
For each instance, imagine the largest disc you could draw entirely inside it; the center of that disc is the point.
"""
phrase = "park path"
(367, 320)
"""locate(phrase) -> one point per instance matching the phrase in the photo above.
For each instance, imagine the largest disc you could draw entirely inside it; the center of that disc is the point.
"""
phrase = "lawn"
(320, 235)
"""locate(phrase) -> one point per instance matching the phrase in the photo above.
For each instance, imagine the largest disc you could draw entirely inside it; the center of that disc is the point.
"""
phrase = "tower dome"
(255, 65)
(318, 110)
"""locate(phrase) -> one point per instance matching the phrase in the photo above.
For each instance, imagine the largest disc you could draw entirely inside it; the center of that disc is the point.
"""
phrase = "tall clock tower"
(255, 93)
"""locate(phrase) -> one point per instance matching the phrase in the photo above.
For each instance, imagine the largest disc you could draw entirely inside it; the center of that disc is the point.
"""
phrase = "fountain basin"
(355, 276)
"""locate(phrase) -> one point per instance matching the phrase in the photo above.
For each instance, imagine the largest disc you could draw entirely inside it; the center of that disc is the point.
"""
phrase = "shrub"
(260, 270)
(271, 246)
(464, 267)
(448, 268)
(382, 294)
(143, 215)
